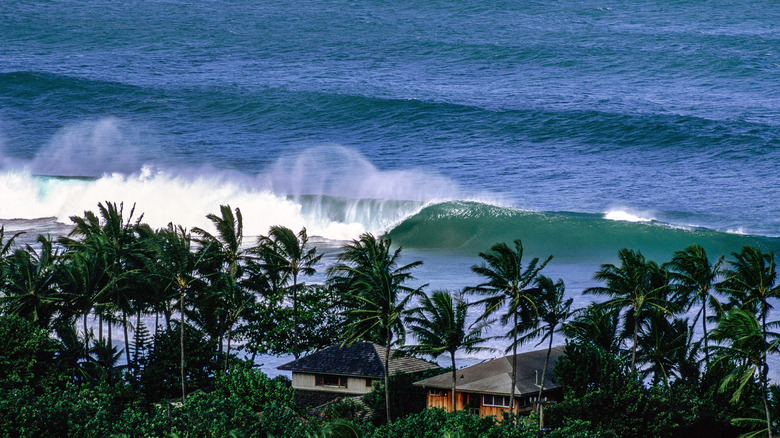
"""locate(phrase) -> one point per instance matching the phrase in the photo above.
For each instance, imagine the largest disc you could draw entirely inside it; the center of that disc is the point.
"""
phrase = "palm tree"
(80, 282)
(30, 283)
(5, 248)
(507, 286)
(440, 327)
(693, 277)
(553, 311)
(664, 345)
(115, 242)
(289, 258)
(368, 272)
(638, 286)
(176, 271)
(750, 282)
(596, 325)
(224, 260)
(745, 343)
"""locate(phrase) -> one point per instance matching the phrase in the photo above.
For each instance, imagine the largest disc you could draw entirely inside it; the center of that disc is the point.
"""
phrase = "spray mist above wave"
(333, 191)
(94, 148)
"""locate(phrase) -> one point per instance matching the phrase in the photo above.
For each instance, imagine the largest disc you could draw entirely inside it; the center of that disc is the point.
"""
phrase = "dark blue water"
(578, 126)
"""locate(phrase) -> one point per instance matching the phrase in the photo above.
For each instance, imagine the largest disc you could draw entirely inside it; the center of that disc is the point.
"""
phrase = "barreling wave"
(473, 226)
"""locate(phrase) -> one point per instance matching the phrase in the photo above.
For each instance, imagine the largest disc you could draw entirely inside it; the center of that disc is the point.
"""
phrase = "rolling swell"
(364, 111)
(470, 227)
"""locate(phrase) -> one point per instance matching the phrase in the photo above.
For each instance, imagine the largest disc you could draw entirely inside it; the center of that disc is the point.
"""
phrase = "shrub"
(253, 388)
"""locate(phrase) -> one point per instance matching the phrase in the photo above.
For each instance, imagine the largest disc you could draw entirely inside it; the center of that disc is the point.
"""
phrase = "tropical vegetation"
(682, 348)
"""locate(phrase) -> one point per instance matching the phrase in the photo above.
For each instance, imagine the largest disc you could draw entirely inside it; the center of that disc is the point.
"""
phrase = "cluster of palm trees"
(646, 308)
(654, 303)
(116, 269)
(531, 305)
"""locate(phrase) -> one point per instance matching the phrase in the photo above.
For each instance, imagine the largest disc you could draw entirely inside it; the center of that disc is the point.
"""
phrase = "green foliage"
(87, 411)
(435, 423)
(345, 409)
(254, 389)
(339, 428)
(105, 410)
(607, 399)
(161, 377)
(405, 398)
(26, 354)
(270, 322)
(207, 415)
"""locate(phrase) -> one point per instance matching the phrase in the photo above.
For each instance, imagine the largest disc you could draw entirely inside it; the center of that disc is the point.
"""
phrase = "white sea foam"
(627, 215)
(333, 191)
(165, 197)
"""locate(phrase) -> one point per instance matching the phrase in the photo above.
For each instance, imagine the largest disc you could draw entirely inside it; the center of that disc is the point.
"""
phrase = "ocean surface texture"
(578, 126)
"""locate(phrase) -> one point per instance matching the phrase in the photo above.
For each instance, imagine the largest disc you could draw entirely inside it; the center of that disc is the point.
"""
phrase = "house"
(485, 388)
(345, 371)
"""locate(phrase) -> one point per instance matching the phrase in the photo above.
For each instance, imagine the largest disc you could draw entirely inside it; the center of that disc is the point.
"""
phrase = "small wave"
(628, 216)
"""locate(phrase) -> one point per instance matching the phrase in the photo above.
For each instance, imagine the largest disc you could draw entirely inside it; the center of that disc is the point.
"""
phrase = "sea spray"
(333, 191)
(628, 215)
(334, 170)
(94, 148)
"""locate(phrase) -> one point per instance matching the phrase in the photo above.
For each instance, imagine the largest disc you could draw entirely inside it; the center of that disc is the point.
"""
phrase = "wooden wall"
(355, 385)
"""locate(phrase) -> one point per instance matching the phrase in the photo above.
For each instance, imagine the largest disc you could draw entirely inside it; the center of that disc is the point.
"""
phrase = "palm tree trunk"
(100, 328)
(127, 339)
(544, 371)
(227, 355)
(296, 352)
(85, 327)
(514, 367)
(704, 328)
(181, 344)
(633, 348)
(387, 375)
(135, 339)
(454, 375)
(766, 403)
(764, 370)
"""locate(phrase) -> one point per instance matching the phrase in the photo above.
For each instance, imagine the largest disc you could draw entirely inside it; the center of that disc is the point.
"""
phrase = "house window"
(330, 380)
(369, 383)
(500, 401)
(434, 392)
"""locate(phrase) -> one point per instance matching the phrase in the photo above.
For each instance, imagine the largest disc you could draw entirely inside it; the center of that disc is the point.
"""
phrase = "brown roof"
(362, 359)
(495, 376)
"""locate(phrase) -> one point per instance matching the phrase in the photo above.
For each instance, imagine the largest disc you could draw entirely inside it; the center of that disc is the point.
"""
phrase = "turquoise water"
(579, 127)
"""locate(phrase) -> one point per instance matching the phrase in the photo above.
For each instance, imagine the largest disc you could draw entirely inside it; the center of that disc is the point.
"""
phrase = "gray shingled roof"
(363, 359)
(495, 376)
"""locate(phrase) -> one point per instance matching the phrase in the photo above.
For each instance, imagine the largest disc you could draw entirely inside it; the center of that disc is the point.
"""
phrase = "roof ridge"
(379, 356)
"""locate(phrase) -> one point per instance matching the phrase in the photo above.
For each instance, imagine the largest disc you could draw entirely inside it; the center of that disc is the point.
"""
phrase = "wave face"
(469, 227)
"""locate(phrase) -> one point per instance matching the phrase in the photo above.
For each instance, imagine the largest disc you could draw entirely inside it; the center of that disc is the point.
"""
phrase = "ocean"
(580, 127)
